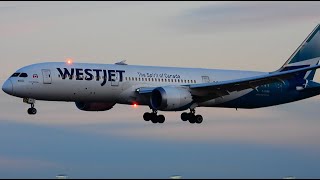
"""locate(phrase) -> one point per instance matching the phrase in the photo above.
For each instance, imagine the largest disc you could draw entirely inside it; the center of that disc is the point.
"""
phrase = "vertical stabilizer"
(307, 54)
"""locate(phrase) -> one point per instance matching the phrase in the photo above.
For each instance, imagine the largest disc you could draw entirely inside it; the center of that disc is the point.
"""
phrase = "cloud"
(238, 15)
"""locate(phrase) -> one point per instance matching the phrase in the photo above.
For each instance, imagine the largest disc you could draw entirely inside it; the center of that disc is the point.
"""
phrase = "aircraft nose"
(7, 87)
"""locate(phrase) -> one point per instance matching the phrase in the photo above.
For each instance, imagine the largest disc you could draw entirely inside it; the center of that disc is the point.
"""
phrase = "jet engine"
(94, 106)
(170, 98)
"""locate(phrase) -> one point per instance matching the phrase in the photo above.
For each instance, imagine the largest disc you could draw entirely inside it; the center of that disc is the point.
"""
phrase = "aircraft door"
(46, 73)
(205, 79)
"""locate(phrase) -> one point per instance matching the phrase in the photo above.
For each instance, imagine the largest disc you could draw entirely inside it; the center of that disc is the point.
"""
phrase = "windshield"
(15, 74)
(23, 75)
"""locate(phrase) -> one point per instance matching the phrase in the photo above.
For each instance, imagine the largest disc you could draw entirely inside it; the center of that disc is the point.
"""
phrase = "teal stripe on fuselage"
(276, 96)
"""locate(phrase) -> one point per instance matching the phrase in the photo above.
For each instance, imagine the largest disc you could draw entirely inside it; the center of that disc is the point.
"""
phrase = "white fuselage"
(87, 84)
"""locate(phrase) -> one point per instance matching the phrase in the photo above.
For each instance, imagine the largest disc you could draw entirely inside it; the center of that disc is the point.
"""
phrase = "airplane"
(98, 87)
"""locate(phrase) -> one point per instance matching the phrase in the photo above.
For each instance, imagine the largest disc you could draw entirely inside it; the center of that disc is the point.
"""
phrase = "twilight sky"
(270, 142)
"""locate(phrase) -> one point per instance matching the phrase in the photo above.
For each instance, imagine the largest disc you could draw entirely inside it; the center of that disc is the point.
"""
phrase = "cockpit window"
(15, 74)
(23, 75)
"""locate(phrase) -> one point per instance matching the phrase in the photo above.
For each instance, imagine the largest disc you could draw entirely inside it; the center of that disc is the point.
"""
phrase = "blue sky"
(270, 142)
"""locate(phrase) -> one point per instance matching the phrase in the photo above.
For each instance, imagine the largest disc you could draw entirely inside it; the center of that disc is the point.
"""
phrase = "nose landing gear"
(30, 101)
(32, 110)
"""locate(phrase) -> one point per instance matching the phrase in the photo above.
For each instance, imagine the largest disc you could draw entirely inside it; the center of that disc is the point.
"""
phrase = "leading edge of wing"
(252, 82)
(145, 90)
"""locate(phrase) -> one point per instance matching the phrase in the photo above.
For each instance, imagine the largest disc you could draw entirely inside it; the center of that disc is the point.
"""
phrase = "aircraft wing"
(207, 91)
(225, 87)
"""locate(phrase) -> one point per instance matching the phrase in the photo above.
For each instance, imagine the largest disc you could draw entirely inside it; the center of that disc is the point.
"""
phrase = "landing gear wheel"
(184, 116)
(153, 117)
(192, 118)
(154, 120)
(147, 116)
(161, 118)
(32, 111)
(29, 111)
(198, 119)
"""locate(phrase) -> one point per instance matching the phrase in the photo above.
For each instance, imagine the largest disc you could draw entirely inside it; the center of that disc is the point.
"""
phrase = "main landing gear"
(191, 117)
(153, 117)
(30, 101)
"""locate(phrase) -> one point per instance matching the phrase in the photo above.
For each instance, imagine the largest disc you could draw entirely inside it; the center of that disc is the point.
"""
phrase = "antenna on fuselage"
(121, 62)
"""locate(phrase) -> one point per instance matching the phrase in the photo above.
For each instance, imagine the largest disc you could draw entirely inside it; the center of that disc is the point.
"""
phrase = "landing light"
(69, 61)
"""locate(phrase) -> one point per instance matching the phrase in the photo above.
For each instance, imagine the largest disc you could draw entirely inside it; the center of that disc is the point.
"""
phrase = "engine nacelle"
(94, 106)
(170, 98)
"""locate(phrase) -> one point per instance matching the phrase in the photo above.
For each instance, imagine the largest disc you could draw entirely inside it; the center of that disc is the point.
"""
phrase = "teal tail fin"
(307, 54)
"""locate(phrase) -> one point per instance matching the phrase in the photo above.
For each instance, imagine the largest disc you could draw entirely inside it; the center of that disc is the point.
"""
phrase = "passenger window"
(23, 75)
(15, 74)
